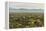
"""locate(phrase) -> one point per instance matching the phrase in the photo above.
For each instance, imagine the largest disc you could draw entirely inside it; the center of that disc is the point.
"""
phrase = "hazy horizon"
(22, 7)
(27, 10)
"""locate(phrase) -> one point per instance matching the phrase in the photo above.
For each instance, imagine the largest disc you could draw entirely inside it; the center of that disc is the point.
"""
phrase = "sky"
(17, 5)
(33, 7)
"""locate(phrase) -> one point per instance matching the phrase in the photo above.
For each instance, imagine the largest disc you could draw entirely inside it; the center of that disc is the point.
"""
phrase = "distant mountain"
(23, 10)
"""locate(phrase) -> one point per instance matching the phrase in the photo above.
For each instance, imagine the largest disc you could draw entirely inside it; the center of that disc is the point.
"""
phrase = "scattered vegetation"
(26, 20)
